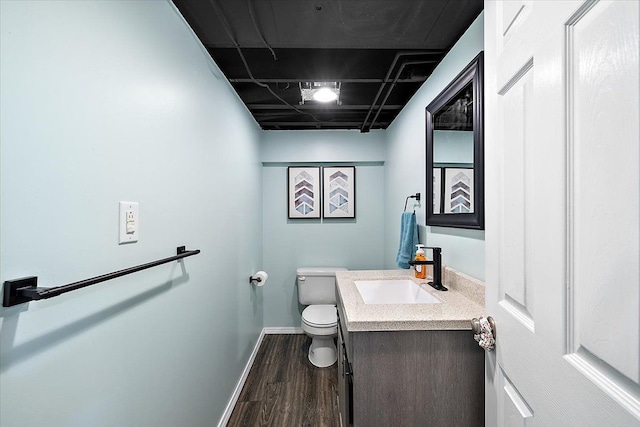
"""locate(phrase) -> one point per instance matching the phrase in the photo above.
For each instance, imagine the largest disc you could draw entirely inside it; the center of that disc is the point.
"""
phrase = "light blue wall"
(105, 101)
(289, 244)
(325, 146)
(405, 165)
(452, 146)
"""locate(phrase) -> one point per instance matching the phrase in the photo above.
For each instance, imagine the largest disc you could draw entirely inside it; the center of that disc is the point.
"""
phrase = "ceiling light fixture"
(325, 95)
(320, 92)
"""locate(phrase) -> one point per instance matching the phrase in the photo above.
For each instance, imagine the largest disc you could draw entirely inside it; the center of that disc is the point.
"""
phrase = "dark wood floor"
(284, 389)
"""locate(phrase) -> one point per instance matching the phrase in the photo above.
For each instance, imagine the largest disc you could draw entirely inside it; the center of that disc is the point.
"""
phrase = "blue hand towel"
(408, 239)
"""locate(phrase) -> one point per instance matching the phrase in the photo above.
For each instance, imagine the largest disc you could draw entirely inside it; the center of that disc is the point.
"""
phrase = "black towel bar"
(23, 290)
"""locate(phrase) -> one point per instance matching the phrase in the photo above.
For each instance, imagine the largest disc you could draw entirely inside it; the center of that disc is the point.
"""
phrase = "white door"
(562, 141)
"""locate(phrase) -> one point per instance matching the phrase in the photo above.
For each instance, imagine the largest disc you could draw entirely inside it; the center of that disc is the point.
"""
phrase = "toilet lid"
(320, 315)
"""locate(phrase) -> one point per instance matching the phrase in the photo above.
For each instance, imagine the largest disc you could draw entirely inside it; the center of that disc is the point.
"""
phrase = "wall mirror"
(455, 152)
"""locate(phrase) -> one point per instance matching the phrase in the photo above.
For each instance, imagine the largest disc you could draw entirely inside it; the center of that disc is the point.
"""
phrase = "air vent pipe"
(395, 80)
(364, 127)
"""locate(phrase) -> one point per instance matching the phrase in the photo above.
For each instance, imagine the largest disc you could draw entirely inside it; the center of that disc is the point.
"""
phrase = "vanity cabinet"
(409, 378)
(345, 383)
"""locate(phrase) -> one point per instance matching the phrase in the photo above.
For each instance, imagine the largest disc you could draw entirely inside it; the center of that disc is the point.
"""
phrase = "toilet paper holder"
(259, 278)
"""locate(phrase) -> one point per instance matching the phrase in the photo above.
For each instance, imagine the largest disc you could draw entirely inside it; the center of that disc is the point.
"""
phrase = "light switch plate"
(129, 222)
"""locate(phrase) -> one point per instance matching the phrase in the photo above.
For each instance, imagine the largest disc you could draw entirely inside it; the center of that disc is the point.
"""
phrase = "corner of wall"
(405, 165)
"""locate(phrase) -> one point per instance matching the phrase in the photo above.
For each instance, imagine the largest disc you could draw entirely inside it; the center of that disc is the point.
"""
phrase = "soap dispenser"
(421, 270)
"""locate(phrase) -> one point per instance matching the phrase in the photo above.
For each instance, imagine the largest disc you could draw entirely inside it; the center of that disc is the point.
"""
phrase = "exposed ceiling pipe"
(386, 97)
(255, 25)
(331, 107)
(399, 55)
(226, 27)
(322, 79)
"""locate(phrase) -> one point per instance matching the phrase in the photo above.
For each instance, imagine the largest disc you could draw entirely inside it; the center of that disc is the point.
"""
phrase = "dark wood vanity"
(408, 377)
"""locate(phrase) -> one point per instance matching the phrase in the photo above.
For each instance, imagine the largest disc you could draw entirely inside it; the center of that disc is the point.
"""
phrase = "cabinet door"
(343, 381)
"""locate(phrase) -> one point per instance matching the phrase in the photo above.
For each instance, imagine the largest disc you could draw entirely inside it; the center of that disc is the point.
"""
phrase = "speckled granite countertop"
(463, 301)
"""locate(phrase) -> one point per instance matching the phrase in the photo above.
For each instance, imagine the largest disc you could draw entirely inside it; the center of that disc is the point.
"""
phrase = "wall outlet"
(129, 222)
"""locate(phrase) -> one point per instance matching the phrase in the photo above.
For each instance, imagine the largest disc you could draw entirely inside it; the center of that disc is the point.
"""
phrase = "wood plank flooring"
(284, 389)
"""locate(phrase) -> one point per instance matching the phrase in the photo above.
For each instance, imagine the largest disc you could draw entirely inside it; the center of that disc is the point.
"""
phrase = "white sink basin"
(393, 292)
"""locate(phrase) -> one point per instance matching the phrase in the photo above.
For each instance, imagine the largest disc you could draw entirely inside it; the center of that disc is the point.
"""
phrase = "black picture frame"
(473, 74)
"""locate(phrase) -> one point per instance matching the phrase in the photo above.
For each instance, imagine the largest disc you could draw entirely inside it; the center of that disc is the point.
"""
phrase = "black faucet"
(437, 268)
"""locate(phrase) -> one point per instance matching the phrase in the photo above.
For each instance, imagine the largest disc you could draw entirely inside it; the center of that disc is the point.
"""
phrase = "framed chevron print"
(304, 192)
(458, 190)
(339, 192)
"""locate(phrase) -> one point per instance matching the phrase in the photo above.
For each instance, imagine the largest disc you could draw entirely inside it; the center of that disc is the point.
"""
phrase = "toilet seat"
(320, 316)
(320, 322)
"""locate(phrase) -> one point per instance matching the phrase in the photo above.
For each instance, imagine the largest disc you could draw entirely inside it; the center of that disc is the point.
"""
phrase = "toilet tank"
(317, 285)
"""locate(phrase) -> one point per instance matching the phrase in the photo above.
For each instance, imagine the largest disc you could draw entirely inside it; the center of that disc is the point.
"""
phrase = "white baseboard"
(283, 331)
(236, 393)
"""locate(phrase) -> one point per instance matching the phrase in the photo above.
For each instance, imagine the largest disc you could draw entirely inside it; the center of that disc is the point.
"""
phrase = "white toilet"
(317, 290)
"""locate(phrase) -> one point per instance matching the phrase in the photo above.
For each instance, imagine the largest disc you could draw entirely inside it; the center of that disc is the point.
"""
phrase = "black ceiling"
(381, 51)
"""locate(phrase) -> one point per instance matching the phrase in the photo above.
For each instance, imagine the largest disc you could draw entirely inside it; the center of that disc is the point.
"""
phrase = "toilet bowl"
(320, 322)
(316, 289)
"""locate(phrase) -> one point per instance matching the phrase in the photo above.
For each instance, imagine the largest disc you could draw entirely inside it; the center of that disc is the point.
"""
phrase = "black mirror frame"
(474, 72)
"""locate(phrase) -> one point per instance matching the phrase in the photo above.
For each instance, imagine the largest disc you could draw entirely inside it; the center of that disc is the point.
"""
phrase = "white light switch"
(129, 221)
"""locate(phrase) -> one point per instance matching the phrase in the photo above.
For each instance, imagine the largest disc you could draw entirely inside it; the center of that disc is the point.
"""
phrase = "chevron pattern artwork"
(459, 190)
(460, 194)
(303, 198)
(339, 192)
(304, 189)
(437, 190)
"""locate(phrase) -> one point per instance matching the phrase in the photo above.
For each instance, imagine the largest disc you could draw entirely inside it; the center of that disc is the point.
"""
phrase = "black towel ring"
(414, 196)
